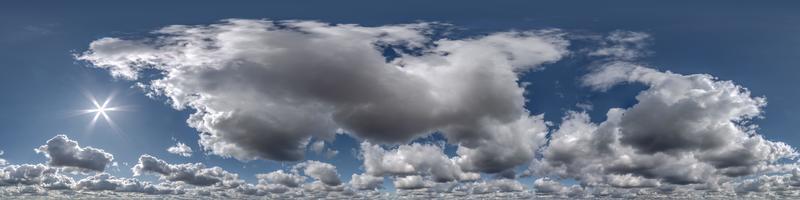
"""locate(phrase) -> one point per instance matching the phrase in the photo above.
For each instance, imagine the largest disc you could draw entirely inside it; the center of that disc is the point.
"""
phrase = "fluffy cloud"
(261, 89)
(414, 159)
(366, 182)
(685, 129)
(552, 188)
(190, 173)
(410, 182)
(323, 172)
(38, 174)
(282, 178)
(104, 181)
(63, 152)
(180, 149)
(781, 185)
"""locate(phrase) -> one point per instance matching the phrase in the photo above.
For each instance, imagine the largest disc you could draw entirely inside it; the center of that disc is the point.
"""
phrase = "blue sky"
(753, 44)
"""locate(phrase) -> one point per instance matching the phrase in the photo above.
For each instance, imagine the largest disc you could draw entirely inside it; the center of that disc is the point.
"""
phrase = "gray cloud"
(496, 186)
(190, 173)
(323, 172)
(623, 45)
(25, 174)
(685, 129)
(254, 97)
(63, 152)
(781, 185)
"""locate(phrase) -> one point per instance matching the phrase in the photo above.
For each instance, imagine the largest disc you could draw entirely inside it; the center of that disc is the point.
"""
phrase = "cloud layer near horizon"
(265, 90)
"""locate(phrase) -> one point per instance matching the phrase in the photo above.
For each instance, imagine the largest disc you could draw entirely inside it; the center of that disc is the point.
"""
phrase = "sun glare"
(101, 110)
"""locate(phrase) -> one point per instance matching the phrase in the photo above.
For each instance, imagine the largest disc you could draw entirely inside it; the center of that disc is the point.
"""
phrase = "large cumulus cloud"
(685, 129)
(262, 88)
(63, 152)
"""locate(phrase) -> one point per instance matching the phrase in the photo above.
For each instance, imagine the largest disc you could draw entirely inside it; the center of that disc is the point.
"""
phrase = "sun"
(101, 110)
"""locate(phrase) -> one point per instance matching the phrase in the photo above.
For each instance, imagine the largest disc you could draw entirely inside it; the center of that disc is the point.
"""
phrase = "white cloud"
(262, 88)
(623, 45)
(282, 178)
(413, 159)
(106, 182)
(366, 182)
(410, 182)
(25, 174)
(2, 161)
(63, 152)
(180, 149)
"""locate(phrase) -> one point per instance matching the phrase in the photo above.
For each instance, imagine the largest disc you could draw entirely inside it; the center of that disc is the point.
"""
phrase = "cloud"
(623, 45)
(180, 149)
(63, 152)
(261, 89)
(496, 186)
(320, 171)
(282, 178)
(410, 182)
(2, 161)
(104, 181)
(413, 159)
(318, 147)
(545, 187)
(366, 182)
(27, 174)
(781, 185)
(190, 173)
(685, 129)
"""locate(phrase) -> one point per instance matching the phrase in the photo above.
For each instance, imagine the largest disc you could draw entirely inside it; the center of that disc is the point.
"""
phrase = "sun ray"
(102, 110)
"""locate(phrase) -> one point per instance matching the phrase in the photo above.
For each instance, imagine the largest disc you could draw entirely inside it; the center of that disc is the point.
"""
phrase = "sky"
(370, 99)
